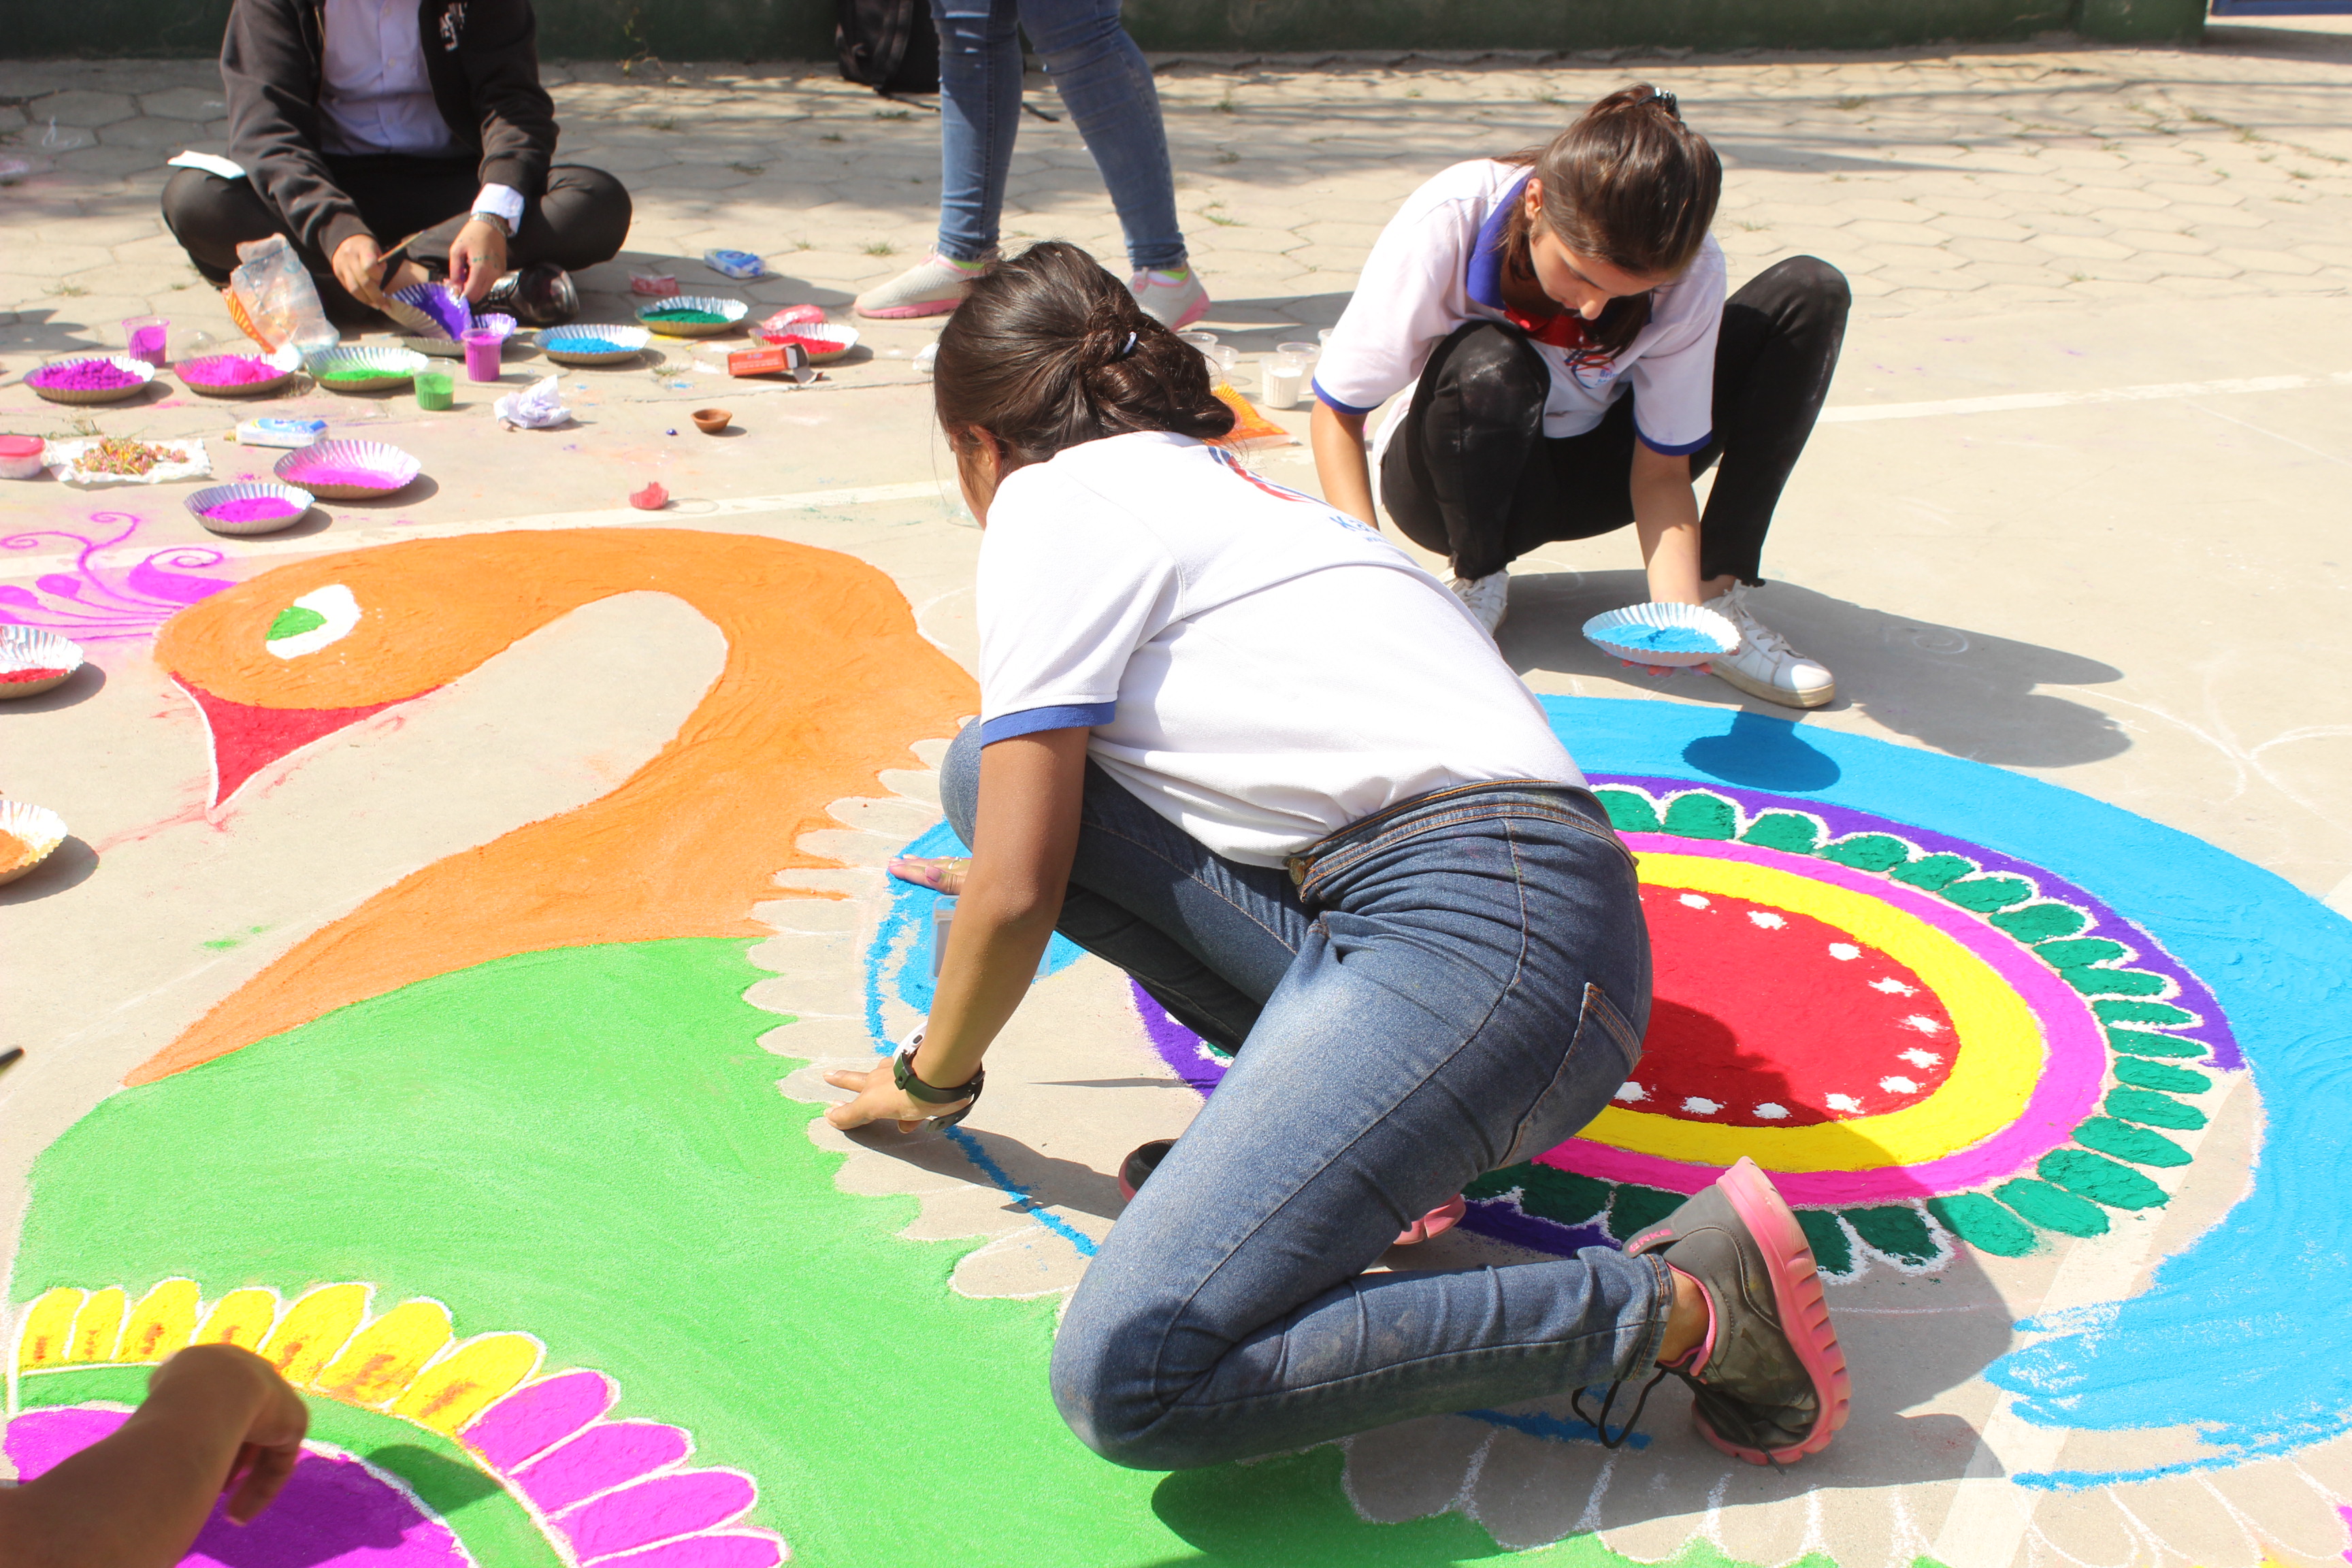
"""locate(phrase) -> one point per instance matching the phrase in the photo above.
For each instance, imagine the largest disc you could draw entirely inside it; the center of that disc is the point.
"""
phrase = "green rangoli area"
(588, 1146)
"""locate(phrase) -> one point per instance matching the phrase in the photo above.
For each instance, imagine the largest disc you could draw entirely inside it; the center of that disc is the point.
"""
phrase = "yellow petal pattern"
(314, 1328)
(48, 1329)
(384, 1356)
(165, 1319)
(240, 1318)
(449, 1393)
(98, 1326)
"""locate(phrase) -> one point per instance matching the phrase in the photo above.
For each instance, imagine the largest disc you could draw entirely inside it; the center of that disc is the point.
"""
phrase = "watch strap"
(902, 1072)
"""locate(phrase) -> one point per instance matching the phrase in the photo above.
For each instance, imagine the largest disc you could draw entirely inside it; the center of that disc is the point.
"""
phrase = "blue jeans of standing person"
(1450, 986)
(1105, 84)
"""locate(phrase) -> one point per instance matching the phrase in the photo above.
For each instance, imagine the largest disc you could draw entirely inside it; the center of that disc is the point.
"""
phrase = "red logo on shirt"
(1233, 465)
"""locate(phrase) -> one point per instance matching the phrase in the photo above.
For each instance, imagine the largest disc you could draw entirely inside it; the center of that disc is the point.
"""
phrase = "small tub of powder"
(20, 456)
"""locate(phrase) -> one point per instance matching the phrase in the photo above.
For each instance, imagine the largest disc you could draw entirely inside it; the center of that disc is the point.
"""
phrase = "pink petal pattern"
(654, 1510)
(706, 1552)
(599, 1459)
(535, 1418)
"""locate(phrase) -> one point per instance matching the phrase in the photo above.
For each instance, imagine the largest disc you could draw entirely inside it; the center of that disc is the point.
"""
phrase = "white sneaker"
(1489, 597)
(1766, 666)
(1175, 300)
(933, 286)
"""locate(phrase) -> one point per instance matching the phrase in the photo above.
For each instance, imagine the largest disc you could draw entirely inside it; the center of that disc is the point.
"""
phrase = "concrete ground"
(2074, 511)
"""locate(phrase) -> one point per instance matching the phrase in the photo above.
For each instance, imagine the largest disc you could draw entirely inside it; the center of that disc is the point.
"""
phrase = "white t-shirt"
(1439, 264)
(1256, 667)
(375, 94)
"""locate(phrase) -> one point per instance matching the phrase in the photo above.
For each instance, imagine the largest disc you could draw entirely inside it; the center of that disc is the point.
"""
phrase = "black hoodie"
(481, 56)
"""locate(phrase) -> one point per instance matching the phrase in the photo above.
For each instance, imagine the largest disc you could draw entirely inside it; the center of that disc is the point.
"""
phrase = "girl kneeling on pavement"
(1560, 317)
(1237, 744)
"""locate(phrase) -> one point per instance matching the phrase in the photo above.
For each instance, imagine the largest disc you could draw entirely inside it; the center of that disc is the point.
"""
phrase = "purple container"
(481, 354)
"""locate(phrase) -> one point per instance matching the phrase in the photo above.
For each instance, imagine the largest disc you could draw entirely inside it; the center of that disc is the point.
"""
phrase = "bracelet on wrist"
(911, 1084)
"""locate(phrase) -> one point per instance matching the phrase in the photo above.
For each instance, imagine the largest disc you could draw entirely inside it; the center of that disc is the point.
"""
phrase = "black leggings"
(580, 221)
(1472, 476)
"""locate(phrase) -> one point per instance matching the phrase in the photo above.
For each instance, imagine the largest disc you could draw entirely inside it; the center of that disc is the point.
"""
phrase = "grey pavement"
(2139, 596)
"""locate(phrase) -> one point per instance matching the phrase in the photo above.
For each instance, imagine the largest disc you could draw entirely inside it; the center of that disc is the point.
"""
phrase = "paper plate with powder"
(593, 345)
(433, 311)
(1663, 635)
(96, 378)
(252, 507)
(823, 340)
(348, 470)
(693, 316)
(364, 369)
(447, 347)
(29, 836)
(33, 660)
(238, 376)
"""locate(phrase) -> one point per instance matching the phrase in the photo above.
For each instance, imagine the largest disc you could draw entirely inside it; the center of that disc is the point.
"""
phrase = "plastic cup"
(1322, 336)
(436, 390)
(1306, 354)
(144, 338)
(1284, 378)
(481, 354)
(20, 456)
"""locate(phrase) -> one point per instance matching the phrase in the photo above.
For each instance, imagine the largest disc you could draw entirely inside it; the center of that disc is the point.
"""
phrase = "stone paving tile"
(1955, 182)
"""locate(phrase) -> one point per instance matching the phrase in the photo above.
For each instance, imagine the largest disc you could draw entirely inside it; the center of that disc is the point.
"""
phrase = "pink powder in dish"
(83, 375)
(229, 370)
(253, 508)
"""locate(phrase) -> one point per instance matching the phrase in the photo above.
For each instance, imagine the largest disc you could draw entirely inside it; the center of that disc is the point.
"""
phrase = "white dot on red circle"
(1919, 1058)
(1694, 900)
(1767, 1112)
(1698, 1106)
(1899, 1086)
(1844, 951)
(1841, 1102)
(1894, 987)
(1767, 918)
(1631, 1093)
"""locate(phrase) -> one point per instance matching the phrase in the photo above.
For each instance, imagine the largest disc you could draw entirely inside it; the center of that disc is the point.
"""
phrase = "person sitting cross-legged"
(361, 124)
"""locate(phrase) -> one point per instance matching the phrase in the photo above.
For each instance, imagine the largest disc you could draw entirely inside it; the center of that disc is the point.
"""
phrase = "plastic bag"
(274, 300)
(533, 408)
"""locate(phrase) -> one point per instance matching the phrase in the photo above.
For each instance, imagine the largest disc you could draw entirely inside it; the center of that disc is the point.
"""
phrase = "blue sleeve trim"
(1483, 279)
(1077, 716)
(1665, 451)
(1336, 406)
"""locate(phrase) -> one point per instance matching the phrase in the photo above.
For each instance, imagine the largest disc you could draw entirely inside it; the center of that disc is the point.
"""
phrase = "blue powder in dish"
(585, 346)
(1666, 639)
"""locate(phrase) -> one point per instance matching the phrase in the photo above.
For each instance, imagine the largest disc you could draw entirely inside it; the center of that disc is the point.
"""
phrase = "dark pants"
(581, 220)
(1472, 476)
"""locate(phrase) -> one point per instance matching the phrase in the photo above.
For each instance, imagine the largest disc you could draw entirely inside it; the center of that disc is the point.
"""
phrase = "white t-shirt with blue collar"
(1255, 666)
(1439, 264)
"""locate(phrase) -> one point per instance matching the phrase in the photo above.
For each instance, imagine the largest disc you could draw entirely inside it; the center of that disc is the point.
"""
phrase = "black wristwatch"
(902, 1073)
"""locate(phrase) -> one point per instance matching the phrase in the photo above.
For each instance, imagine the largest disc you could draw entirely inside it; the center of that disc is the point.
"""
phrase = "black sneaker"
(1770, 1384)
(541, 295)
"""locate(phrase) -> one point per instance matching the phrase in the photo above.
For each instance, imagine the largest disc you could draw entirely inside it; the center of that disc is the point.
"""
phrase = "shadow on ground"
(1966, 693)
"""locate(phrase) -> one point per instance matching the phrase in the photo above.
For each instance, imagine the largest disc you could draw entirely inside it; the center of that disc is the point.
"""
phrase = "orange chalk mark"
(98, 1326)
(165, 1319)
(48, 1332)
(387, 1354)
(826, 682)
(449, 1393)
(242, 1318)
(315, 1328)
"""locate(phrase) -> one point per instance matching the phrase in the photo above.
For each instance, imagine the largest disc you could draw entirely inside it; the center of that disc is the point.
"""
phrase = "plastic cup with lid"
(20, 456)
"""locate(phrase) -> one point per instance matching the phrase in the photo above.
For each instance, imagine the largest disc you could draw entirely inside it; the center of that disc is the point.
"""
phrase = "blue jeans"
(1105, 84)
(1438, 991)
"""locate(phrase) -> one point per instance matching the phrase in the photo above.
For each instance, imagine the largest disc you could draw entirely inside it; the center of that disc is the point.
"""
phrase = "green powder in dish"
(357, 372)
(692, 318)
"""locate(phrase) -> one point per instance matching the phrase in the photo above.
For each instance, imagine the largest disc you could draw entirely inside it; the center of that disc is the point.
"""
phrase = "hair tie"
(1665, 100)
(1126, 349)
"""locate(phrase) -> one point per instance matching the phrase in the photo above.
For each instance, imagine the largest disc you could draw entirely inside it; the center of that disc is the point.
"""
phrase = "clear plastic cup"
(1305, 353)
(1283, 377)
(436, 390)
(145, 338)
(481, 354)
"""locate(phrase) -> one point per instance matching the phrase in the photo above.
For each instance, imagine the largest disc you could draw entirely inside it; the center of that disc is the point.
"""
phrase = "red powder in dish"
(229, 370)
(19, 676)
(83, 375)
(253, 508)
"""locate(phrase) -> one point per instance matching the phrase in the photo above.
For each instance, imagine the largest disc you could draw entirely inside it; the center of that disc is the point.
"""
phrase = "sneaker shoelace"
(1726, 1415)
(1734, 607)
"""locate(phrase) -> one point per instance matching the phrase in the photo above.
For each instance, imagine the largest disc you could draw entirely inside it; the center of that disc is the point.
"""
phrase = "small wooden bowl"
(711, 421)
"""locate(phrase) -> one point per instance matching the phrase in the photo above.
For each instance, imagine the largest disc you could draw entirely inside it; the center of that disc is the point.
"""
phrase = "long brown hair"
(1049, 351)
(1628, 182)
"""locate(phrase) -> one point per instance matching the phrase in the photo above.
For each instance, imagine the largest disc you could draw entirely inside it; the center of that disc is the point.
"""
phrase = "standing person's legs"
(980, 114)
(1471, 474)
(1108, 86)
(1781, 333)
(1472, 992)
